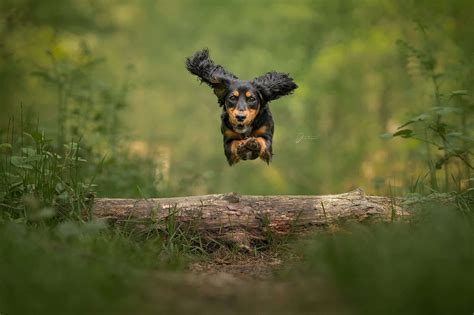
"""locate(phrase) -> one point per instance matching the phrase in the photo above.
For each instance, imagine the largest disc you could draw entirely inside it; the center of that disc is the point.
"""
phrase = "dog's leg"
(234, 151)
(260, 147)
(247, 150)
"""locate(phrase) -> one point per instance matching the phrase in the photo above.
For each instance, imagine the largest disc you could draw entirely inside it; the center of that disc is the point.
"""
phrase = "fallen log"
(242, 219)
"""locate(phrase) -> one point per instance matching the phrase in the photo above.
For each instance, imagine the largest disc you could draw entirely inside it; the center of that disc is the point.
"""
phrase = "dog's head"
(242, 99)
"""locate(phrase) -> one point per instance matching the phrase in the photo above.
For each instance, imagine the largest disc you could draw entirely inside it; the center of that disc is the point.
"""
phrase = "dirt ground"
(243, 283)
(240, 266)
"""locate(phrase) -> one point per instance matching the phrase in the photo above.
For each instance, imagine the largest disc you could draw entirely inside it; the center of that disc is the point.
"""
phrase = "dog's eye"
(232, 98)
(251, 99)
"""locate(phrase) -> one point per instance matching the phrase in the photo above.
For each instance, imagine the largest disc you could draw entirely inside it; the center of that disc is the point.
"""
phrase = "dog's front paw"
(241, 149)
(259, 146)
(248, 149)
(253, 145)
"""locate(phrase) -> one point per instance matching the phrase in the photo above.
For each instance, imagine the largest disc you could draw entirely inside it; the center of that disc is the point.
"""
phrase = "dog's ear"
(273, 85)
(213, 75)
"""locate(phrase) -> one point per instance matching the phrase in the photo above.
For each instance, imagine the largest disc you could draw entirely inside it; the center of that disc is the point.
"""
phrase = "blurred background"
(95, 100)
(110, 75)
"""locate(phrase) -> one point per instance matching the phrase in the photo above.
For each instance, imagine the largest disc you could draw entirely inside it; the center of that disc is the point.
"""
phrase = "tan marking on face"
(251, 114)
(236, 93)
(260, 131)
(232, 112)
(232, 134)
(248, 93)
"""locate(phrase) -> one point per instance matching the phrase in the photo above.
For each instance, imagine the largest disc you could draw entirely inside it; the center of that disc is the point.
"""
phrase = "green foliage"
(421, 267)
(37, 183)
(445, 127)
(149, 130)
(73, 269)
(125, 176)
(342, 54)
(86, 106)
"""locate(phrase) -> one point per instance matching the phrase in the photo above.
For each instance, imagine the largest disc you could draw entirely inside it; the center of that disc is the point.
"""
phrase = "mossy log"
(243, 219)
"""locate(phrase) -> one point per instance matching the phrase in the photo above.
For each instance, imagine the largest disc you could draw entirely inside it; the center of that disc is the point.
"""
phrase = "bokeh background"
(111, 75)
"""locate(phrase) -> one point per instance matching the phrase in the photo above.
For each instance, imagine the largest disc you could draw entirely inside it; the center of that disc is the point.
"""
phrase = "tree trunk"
(246, 219)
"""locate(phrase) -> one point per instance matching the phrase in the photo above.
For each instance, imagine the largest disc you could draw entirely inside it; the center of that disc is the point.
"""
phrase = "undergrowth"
(55, 258)
(424, 266)
(38, 183)
(74, 269)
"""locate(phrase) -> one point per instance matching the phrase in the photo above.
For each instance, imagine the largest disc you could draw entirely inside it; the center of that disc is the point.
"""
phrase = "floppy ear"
(273, 85)
(213, 75)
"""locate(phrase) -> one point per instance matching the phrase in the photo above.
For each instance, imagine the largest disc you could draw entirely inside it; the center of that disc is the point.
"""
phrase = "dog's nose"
(240, 118)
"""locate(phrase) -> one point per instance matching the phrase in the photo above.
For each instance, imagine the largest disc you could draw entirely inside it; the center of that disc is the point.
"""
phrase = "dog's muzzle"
(241, 128)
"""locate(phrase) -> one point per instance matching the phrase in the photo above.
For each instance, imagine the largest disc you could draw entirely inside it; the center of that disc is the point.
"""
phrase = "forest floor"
(364, 269)
(262, 281)
(241, 266)
(243, 283)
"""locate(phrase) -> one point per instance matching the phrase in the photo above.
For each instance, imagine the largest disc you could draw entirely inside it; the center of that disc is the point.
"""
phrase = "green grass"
(39, 183)
(74, 269)
(422, 267)
(54, 259)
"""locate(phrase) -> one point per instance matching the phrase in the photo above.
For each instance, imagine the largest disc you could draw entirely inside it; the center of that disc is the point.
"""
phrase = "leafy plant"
(444, 126)
(87, 106)
(38, 183)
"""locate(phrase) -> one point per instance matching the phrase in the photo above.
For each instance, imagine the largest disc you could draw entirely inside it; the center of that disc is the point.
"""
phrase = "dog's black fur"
(247, 124)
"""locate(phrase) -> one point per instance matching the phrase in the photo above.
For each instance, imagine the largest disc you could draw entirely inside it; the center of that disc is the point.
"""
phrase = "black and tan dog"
(247, 123)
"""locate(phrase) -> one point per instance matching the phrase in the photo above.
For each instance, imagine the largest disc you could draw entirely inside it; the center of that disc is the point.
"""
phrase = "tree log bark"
(245, 219)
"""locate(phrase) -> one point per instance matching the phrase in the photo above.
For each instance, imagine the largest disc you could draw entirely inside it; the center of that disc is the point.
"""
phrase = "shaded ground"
(240, 265)
(238, 283)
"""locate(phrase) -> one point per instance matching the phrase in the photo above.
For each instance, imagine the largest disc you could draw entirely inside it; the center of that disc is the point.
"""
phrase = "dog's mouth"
(241, 128)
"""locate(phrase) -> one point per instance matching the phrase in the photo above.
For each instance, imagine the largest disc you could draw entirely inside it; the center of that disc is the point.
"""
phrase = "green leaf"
(64, 196)
(418, 118)
(454, 134)
(458, 93)
(33, 158)
(16, 186)
(29, 151)
(445, 110)
(386, 135)
(35, 136)
(59, 187)
(405, 133)
(10, 175)
(20, 162)
(466, 138)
